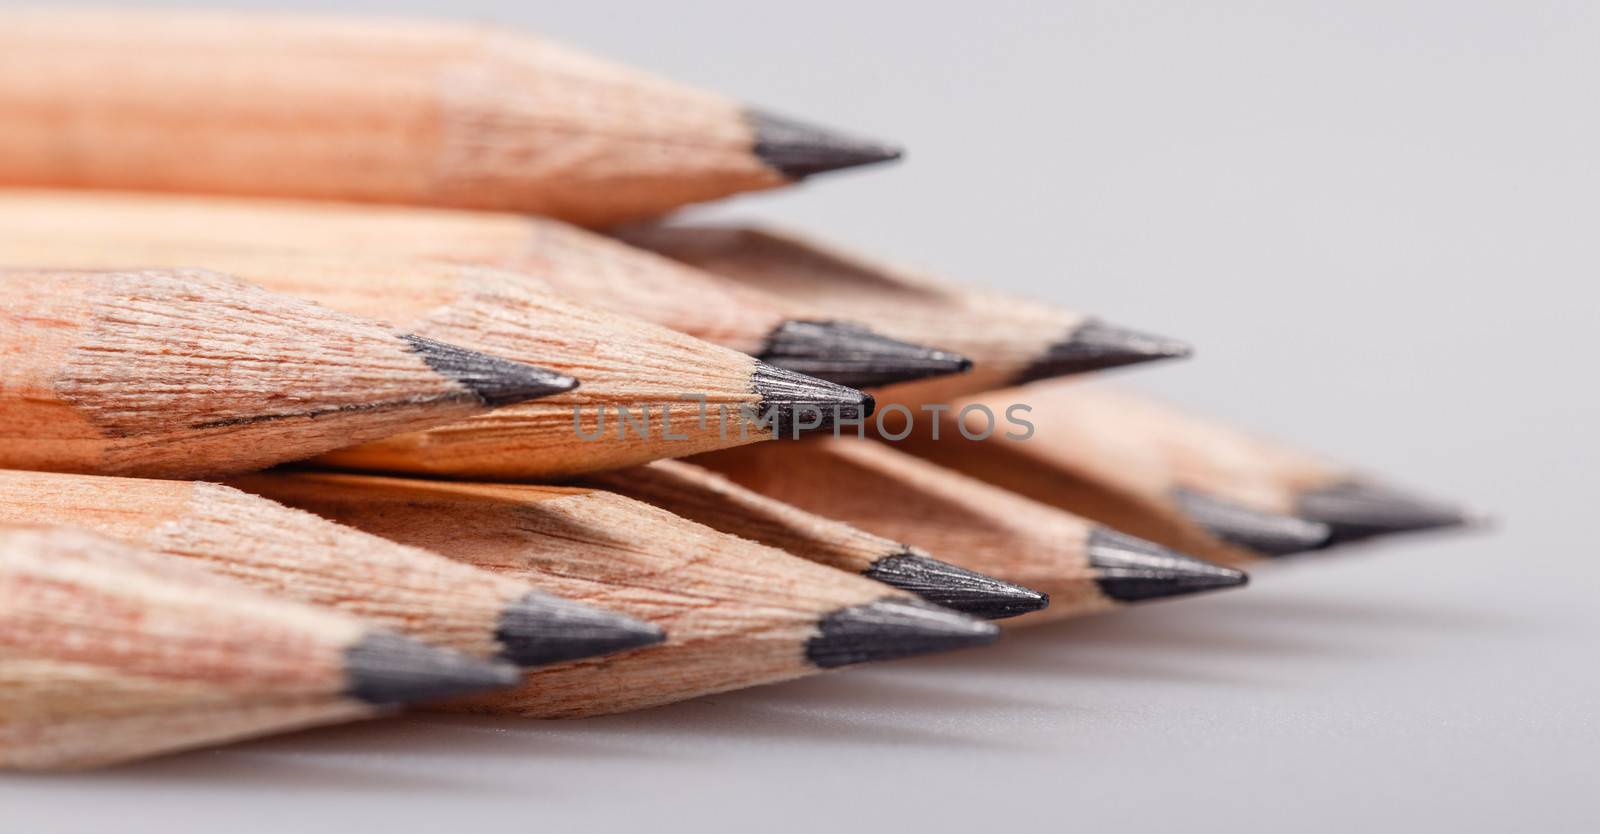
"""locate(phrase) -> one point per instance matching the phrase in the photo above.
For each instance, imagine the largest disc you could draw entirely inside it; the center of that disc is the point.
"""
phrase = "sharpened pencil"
(586, 268)
(108, 654)
(1082, 566)
(736, 613)
(647, 393)
(1164, 473)
(296, 555)
(189, 373)
(368, 109)
(1008, 340)
(710, 499)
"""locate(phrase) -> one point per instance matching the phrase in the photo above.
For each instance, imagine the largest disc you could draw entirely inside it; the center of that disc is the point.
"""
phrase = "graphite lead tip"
(385, 668)
(793, 402)
(491, 379)
(893, 628)
(539, 629)
(852, 355)
(1267, 533)
(1129, 569)
(956, 588)
(1095, 346)
(797, 150)
(1356, 509)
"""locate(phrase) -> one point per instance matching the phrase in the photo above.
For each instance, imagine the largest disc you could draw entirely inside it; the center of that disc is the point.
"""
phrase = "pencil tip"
(386, 668)
(540, 629)
(1129, 569)
(493, 380)
(893, 628)
(852, 355)
(956, 588)
(1267, 533)
(797, 149)
(1095, 346)
(1355, 510)
(793, 402)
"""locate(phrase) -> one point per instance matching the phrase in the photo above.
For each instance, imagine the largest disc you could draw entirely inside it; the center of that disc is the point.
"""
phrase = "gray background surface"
(1377, 222)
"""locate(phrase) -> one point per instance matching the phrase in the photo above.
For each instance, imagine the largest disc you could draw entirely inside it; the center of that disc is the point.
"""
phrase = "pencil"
(708, 498)
(107, 654)
(187, 373)
(648, 392)
(368, 109)
(1084, 567)
(585, 267)
(1164, 472)
(296, 555)
(736, 613)
(1009, 340)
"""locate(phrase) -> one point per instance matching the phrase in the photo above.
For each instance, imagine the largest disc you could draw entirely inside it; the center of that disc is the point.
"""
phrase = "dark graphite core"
(491, 379)
(793, 403)
(852, 355)
(956, 587)
(1266, 533)
(1130, 569)
(797, 150)
(1096, 346)
(385, 668)
(893, 628)
(540, 629)
(1355, 510)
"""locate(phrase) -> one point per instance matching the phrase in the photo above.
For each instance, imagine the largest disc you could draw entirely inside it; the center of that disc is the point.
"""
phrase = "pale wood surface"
(588, 268)
(955, 518)
(736, 613)
(275, 549)
(99, 641)
(359, 109)
(187, 373)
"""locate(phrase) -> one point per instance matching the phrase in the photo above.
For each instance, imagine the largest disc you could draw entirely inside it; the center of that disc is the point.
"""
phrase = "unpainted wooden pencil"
(296, 555)
(703, 496)
(189, 373)
(736, 613)
(372, 109)
(1084, 567)
(108, 653)
(587, 268)
(648, 392)
(1164, 472)
(1009, 340)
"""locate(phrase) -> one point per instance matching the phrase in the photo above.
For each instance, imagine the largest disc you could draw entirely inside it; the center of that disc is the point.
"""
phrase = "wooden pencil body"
(183, 373)
(107, 653)
(1087, 454)
(736, 613)
(588, 268)
(956, 518)
(710, 499)
(277, 550)
(368, 109)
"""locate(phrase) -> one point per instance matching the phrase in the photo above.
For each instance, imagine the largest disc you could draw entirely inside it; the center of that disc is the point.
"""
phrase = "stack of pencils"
(343, 361)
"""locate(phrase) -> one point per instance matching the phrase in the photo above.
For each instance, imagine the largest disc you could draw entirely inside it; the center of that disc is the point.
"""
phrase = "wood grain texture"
(186, 373)
(109, 653)
(1002, 335)
(587, 268)
(277, 550)
(357, 109)
(736, 613)
(956, 518)
(1100, 454)
(622, 362)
